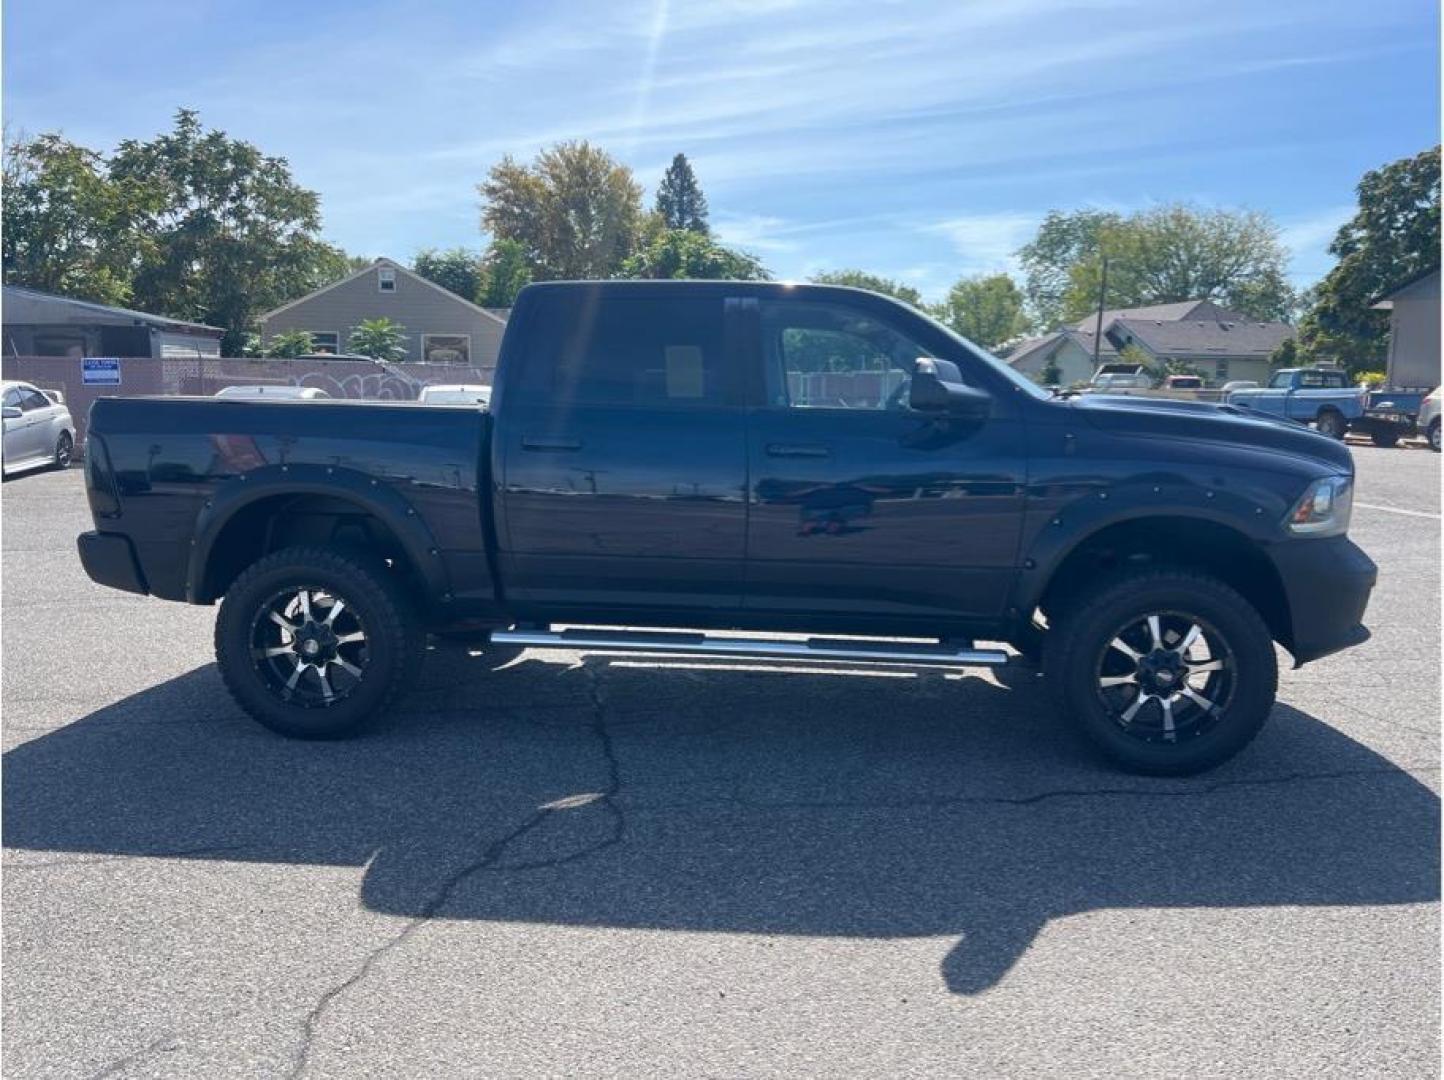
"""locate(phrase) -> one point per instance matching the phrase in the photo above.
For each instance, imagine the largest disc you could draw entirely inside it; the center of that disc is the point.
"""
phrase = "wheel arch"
(1187, 540)
(264, 510)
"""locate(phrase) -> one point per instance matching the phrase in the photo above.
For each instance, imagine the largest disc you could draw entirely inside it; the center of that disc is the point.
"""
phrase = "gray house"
(42, 324)
(441, 327)
(1070, 350)
(1414, 331)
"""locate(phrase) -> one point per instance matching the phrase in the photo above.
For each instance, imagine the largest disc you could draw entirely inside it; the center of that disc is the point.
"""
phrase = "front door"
(623, 457)
(860, 507)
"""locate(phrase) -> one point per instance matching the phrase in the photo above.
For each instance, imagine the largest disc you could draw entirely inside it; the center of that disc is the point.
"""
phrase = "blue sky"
(922, 141)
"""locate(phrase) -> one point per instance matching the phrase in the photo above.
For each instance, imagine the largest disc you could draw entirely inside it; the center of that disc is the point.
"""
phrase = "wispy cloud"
(987, 242)
(1307, 239)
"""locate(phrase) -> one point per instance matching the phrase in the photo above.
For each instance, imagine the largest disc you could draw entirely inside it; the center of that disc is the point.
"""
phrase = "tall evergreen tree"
(679, 197)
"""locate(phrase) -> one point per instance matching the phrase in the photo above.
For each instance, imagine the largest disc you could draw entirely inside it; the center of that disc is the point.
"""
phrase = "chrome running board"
(893, 652)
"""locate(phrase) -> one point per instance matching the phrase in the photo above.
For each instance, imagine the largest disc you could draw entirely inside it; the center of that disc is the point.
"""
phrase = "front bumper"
(1327, 583)
(109, 560)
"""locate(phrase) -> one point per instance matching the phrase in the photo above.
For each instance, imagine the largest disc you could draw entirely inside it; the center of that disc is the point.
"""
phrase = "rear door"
(861, 508)
(623, 459)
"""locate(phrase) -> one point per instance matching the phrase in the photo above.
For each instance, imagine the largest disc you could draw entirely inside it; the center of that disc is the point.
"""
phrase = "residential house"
(1414, 332)
(39, 323)
(1070, 350)
(441, 327)
(1218, 343)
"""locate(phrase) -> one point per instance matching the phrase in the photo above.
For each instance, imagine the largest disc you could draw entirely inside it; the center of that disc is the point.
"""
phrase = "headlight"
(1324, 509)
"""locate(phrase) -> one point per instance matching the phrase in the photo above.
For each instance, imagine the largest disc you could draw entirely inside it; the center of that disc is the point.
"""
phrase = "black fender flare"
(376, 497)
(1086, 517)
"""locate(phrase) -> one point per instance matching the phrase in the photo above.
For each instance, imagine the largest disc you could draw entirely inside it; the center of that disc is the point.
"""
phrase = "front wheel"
(313, 642)
(1167, 672)
(1433, 434)
(1332, 424)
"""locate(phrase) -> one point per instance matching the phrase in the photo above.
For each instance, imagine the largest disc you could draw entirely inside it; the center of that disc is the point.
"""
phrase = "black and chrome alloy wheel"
(1166, 677)
(309, 647)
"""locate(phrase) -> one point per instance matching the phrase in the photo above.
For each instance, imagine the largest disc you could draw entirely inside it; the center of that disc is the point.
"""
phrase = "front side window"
(30, 400)
(593, 349)
(826, 356)
(12, 399)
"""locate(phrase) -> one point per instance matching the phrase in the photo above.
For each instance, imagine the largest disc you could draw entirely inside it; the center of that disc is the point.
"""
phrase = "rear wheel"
(1332, 424)
(312, 642)
(1168, 672)
(64, 450)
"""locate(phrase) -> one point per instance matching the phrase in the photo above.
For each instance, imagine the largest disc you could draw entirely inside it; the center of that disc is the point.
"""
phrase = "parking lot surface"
(555, 864)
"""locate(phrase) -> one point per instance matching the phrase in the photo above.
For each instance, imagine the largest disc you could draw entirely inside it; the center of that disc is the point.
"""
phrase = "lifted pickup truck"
(750, 457)
(1318, 396)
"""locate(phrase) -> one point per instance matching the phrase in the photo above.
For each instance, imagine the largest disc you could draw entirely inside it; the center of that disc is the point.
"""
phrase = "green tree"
(1393, 237)
(575, 211)
(861, 279)
(228, 233)
(455, 269)
(286, 344)
(67, 224)
(681, 253)
(1063, 241)
(504, 274)
(1180, 252)
(380, 339)
(680, 201)
(986, 308)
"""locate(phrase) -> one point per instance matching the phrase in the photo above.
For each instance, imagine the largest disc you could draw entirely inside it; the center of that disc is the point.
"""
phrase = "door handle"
(812, 450)
(549, 442)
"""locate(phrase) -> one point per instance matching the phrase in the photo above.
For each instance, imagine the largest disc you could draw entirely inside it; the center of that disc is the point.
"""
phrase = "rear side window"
(657, 352)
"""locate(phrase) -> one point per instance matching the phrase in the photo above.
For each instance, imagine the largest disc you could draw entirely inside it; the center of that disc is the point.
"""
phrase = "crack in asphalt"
(489, 860)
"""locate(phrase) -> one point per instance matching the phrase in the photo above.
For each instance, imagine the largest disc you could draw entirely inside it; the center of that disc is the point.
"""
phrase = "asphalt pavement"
(555, 864)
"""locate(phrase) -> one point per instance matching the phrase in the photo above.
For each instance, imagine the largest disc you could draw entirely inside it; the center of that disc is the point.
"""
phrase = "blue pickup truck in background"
(1318, 396)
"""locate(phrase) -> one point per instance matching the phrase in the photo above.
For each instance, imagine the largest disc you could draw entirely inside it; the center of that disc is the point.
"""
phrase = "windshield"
(1017, 378)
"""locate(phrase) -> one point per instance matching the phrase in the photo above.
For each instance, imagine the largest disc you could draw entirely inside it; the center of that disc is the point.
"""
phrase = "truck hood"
(1141, 416)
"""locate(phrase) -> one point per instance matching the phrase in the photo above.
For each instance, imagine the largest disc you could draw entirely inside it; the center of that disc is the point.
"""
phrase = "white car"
(39, 432)
(456, 394)
(274, 393)
(1429, 418)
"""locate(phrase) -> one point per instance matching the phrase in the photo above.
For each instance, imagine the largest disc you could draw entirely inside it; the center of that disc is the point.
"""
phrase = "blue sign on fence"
(100, 371)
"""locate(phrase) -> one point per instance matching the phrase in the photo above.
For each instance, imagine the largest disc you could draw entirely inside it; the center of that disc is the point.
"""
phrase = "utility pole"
(1098, 330)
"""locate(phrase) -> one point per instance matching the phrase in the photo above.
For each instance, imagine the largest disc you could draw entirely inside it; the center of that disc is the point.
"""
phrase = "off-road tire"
(395, 641)
(1082, 633)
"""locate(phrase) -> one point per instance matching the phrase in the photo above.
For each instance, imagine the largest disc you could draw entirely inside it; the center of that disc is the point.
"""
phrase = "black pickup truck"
(723, 456)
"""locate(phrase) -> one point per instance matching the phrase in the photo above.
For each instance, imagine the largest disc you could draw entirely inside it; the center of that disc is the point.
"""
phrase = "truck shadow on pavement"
(735, 798)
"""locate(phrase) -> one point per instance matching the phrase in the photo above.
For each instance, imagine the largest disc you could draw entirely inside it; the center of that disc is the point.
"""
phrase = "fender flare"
(370, 494)
(1080, 521)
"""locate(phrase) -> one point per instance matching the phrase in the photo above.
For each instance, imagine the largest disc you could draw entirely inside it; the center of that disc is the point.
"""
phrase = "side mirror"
(937, 386)
(12, 412)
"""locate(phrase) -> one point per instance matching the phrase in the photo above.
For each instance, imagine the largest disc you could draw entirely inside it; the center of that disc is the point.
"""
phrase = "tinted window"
(831, 357)
(659, 351)
(33, 399)
(12, 399)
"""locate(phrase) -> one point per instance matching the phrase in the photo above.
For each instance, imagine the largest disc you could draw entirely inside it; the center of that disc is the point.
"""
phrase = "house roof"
(1183, 309)
(1386, 302)
(1048, 342)
(391, 264)
(24, 305)
(1205, 337)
